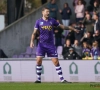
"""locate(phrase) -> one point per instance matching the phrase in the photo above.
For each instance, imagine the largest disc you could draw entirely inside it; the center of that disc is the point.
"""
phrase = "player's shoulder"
(38, 20)
(50, 18)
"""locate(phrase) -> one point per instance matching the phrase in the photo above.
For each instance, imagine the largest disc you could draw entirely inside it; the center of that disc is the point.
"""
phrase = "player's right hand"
(31, 45)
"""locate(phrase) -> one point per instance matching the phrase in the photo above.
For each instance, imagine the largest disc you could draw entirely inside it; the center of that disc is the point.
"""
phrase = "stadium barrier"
(23, 70)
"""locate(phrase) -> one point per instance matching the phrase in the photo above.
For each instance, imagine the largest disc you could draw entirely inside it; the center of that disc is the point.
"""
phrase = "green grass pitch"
(48, 86)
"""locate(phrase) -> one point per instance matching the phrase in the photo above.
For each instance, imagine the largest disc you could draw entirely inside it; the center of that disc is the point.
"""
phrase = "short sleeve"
(36, 25)
(55, 23)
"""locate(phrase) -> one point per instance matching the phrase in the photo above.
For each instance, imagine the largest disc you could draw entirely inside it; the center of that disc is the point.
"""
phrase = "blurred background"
(12, 10)
(18, 17)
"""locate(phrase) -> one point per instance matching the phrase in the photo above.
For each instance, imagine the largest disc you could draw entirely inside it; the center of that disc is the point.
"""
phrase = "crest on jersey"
(41, 23)
(51, 23)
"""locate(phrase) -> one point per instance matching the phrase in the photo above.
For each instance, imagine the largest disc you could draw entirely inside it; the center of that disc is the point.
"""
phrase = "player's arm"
(33, 38)
(68, 28)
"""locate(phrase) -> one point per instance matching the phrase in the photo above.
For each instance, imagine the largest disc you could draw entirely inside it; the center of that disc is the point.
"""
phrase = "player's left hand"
(77, 31)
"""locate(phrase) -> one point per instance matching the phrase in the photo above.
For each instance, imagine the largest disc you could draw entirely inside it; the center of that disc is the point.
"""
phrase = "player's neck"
(44, 18)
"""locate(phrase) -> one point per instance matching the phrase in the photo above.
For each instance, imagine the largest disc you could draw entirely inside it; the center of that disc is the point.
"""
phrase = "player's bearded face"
(46, 13)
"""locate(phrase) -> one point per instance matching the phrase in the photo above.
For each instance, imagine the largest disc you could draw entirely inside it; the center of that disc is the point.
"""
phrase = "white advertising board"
(81, 71)
(10, 71)
(73, 70)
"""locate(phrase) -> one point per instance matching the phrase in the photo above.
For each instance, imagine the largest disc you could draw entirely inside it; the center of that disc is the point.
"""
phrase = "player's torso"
(46, 31)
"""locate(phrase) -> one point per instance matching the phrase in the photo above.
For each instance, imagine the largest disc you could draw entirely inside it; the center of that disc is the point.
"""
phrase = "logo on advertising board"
(42, 72)
(7, 68)
(73, 70)
(7, 71)
(97, 71)
(97, 68)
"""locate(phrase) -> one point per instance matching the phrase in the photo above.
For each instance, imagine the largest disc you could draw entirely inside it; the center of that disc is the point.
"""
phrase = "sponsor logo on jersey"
(49, 28)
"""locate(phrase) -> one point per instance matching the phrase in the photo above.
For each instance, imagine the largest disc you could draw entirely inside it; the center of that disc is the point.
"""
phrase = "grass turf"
(48, 86)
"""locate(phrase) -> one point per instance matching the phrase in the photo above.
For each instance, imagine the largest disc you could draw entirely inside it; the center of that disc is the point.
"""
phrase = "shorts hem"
(53, 57)
(40, 56)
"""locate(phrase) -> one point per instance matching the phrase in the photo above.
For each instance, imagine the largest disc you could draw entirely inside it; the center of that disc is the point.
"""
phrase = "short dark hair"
(79, 1)
(66, 4)
(44, 8)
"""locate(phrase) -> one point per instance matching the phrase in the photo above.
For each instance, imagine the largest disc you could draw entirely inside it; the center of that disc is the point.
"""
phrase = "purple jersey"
(95, 51)
(46, 30)
(46, 41)
(86, 52)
